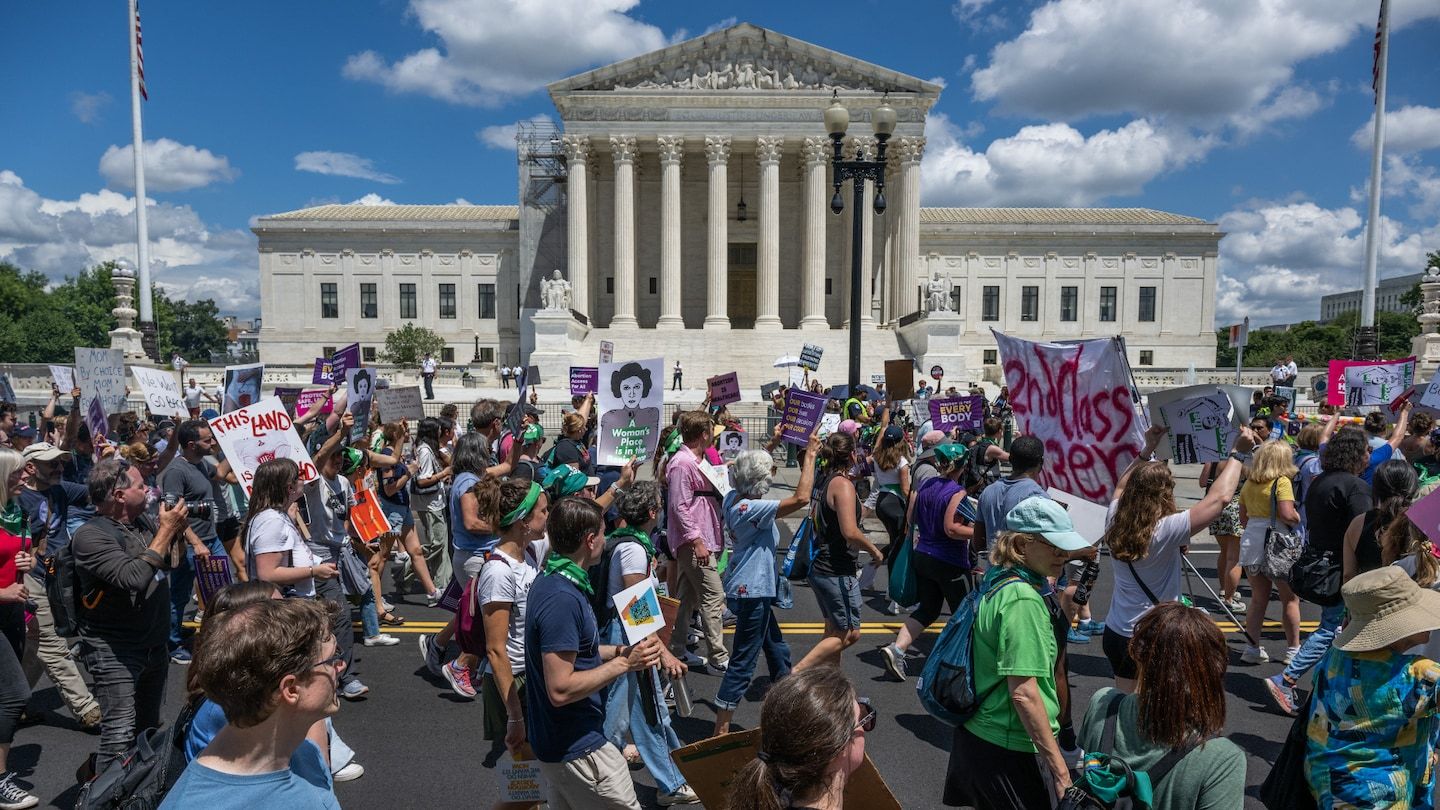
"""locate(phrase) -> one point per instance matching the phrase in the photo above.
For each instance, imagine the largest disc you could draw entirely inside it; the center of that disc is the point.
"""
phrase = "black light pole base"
(1367, 343)
(149, 342)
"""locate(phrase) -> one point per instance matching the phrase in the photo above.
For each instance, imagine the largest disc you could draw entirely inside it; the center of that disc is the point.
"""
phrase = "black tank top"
(1367, 549)
(834, 557)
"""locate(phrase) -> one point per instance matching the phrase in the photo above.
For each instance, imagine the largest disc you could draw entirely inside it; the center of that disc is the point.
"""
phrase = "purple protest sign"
(212, 575)
(324, 372)
(344, 360)
(584, 380)
(802, 412)
(724, 389)
(966, 413)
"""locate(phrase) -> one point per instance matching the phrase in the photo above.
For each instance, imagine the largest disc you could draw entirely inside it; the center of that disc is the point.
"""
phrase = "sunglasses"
(868, 716)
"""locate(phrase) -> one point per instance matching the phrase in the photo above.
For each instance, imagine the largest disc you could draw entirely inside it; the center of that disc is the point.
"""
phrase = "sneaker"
(1255, 655)
(349, 773)
(1284, 696)
(692, 661)
(681, 795)
(401, 557)
(13, 797)
(1290, 652)
(894, 662)
(459, 679)
(1077, 636)
(1236, 606)
(381, 640)
(180, 655)
(354, 689)
(433, 599)
(892, 608)
(1093, 628)
(431, 653)
(717, 669)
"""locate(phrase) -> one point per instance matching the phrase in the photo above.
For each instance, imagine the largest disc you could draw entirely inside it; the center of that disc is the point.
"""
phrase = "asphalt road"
(420, 744)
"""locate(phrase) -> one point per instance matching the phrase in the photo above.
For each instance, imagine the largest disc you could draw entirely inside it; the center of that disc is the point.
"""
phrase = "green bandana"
(13, 520)
(526, 506)
(641, 537)
(673, 446)
(569, 569)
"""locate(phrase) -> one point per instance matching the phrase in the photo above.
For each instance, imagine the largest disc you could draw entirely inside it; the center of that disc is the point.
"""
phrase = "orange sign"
(367, 517)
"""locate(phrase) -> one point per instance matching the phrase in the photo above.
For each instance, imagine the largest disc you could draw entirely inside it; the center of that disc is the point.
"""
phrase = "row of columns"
(904, 247)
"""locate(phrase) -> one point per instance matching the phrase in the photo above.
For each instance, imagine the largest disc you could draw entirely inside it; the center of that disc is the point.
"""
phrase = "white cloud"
(493, 50)
(1408, 129)
(1050, 164)
(169, 166)
(86, 106)
(502, 136)
(372, 199)
(1291, 102)
(341, 164)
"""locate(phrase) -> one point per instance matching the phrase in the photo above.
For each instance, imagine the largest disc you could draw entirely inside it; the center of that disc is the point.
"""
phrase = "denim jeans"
(756, 631)
(654, 742)
(342, 623)
(1316, 644)
(182, 583)
(130, 685)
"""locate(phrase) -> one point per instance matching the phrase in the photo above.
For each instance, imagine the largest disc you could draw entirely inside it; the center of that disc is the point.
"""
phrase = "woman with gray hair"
(751, 577)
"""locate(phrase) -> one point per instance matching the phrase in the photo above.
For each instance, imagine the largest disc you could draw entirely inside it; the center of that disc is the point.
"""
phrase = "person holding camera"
(190, 478)
(121, 556)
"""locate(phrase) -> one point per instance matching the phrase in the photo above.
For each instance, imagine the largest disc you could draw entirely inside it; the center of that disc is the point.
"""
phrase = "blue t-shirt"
(390, 475)
(299, 787)
(559, 619)
(210, 718)
(997, 499)
(465, 540)
(1378, 456)
(751, 521)
(55, 512)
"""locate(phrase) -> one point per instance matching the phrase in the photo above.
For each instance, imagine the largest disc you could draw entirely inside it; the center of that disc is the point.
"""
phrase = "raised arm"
(805, 489)
(1152, 440)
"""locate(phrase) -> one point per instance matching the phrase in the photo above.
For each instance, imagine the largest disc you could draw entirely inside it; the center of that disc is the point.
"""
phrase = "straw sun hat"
(1385, 606)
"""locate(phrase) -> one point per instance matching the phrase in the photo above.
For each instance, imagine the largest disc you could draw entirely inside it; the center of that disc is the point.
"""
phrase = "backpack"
(141, 780)
(62, 590)
(979, 473)
(947, 683)
(1107, 782)
(599, 574)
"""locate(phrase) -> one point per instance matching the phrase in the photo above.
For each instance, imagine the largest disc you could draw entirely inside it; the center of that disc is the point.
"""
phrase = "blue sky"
(1250, 114)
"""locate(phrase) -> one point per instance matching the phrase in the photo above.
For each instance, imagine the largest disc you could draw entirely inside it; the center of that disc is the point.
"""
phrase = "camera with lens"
(198, 509)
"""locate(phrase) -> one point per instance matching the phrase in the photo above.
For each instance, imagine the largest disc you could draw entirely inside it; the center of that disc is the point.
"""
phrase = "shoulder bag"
(1282, 548)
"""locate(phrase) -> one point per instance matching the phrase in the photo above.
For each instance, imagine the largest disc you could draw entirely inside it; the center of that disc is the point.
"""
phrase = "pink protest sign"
(1368, 383)
(307, 399)
(1076, 398)
(724, 389)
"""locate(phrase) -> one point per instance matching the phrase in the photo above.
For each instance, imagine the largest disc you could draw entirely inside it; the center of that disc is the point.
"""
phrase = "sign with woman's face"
(630, 399)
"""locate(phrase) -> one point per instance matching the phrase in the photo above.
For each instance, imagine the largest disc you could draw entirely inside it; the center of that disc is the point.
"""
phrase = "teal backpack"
(947, 683)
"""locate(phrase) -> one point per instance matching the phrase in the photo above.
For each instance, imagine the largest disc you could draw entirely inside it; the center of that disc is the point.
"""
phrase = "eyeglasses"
(333, 661)
(868, 716)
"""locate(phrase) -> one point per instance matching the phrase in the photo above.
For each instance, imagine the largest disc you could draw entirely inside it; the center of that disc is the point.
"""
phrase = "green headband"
(518, 513)
(673, 445)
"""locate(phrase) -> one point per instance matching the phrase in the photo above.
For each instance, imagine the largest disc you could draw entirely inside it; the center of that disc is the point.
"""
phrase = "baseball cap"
(567, 480)
(1047, 518)
(23, 431)
(949, 452)
(44, 451)
(894, 434)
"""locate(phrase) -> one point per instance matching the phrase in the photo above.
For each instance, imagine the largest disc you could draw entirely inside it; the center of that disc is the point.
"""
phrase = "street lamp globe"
(882, 118)
(837, 119)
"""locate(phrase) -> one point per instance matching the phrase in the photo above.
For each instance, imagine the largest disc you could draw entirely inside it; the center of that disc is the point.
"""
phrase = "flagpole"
(142, 230)
(1377, 153)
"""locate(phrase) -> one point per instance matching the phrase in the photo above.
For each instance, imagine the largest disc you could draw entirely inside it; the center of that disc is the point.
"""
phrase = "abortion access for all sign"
(259, 433)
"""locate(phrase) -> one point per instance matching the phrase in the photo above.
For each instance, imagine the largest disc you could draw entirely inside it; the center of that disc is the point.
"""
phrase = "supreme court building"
(685, 198)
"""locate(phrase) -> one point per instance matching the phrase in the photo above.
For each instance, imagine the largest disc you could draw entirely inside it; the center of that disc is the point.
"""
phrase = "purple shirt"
(693, 503)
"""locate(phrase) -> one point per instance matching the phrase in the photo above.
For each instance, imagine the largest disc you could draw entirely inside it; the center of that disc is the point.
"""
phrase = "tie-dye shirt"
(1372, 730)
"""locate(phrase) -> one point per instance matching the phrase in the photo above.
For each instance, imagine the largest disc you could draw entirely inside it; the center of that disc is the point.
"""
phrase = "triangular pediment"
(744, 58)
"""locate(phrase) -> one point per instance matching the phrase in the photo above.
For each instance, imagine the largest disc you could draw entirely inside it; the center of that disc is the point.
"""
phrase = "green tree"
(1314, 345)
(406, 346)
(85, 301)
(192, 329)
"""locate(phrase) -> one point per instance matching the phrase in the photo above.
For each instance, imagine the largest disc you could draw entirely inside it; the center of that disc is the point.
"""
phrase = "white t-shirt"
(1159, 570)
(193, 396)
(327, 528)
(429, 468)
(505, 580)
(629, 559)
(890, 479)
(429, 366)
(272, 531)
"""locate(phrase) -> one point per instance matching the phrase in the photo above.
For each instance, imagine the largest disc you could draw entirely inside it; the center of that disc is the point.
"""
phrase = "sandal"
(391, 620)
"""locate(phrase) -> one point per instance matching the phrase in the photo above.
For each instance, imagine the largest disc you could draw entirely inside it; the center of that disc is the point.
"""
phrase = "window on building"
(447, 300)
(1147, 357)
(407, 301)
(447, 354)
(1069, 303)
(955, 298)
(1147, 303)
(329, 299)
(654, 285)
(367, 353)
(1029, 303)
(609, 285)
(990, 357)
(369, 301)
(487, 301)
(829, 288)
(1107, 304)
(990, 303)
(487, 354)
(327, 350)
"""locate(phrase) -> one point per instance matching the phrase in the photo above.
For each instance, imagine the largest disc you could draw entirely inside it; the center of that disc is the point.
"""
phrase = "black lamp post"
(837, 120)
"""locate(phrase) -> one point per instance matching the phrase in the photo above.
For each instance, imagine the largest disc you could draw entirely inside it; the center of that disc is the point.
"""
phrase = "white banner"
(259, 433)
(64, 378)
(101, 372)
(161, 390)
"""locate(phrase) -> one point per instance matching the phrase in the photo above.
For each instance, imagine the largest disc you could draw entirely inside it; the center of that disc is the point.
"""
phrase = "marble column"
(672, 152)
(865, 148)
(577, 221)
(889, 282)
(717, 247)
(816, 152)
(623, 151)
(767, 275)
(907, 236)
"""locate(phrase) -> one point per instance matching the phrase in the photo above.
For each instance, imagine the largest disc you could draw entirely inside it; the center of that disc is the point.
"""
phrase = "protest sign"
(309, 397)
(1077, 397)
(829, 423)
(584, 380)
(630, 400)
(324, 372)
(733, 443)
(359, 393)
(212, 575)
(258, 433)
(767, 391)
(638, 607)
(242, 386)
(900, 379)
(802, 413)
(332, 369)
(1088, 518)
(1365, 384)
(1430, 398)
(97, 423)
(709, 767)
(367, 517)
(1238, 395)
(724, 389)
(607, 351)
(161, 391)
(7, 391)
(877, 379)
(810, 356)
(404, 402)
(1288, 394)
(1202, 429)
(966, 413)
(101, 373)
(64, 378)
(521, 780)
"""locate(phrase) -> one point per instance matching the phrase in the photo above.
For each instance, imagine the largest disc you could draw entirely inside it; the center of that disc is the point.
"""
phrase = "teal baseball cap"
(1047, 518)
(950, 452)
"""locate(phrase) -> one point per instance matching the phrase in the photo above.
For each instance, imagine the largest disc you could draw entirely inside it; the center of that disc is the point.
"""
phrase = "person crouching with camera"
(123, 596)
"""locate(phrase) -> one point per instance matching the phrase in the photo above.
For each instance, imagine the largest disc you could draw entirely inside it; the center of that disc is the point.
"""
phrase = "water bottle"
(1088, 575)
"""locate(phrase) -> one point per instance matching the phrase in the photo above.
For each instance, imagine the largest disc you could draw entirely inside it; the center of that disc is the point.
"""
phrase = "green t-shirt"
(1022, 644)
(1211, 777)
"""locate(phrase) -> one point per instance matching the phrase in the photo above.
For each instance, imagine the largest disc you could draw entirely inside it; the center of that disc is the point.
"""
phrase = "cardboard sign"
(1088, 518)
(638, 607)
(161, 391)
(732, 444)
(829, 423)
(966, 413)
(242, 386)
(1077, 397)
(1238, 395)
(709, 767)
(521, 780)
(1202, 429)
(810, 356)
(258, 433)
(1364, 384)
(724, 389)
(212, 575)
(607, 351)
(802, 413)
(400, 403)
(100, 373)
(1289, 394)
(631, 398)
(899, 379)
(584, 380)
(367, 517)
(767, 391)
(360, 394)
(309, 397)
(64, 378)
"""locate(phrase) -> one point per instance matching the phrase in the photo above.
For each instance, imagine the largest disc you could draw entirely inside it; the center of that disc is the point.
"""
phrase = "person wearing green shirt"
(1013, 733)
